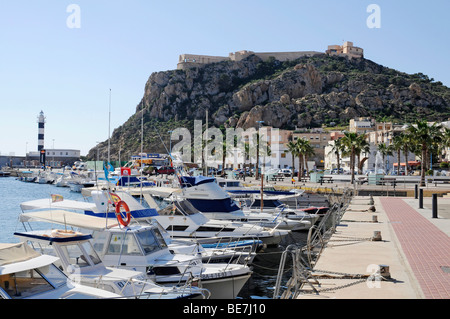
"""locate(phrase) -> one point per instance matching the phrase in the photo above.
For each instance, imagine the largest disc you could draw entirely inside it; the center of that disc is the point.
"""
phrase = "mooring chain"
(361, 278)
(350, 239)
(334, 288)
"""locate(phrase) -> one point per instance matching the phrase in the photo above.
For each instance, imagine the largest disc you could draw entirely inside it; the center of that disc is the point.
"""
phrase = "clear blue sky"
(67, 73)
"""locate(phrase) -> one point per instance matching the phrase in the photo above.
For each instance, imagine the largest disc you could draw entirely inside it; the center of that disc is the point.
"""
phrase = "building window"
(283, 155)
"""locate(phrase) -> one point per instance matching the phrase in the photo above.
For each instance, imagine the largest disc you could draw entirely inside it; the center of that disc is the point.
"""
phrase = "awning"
(63, 217)
(410, 163)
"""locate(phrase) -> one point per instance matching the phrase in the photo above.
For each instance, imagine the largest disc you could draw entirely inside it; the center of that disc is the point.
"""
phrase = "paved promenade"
(425, 244)
(415, 246)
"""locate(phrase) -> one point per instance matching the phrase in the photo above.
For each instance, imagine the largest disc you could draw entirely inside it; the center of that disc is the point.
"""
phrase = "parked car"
(335, 171)
(285, 171)
(165, 170)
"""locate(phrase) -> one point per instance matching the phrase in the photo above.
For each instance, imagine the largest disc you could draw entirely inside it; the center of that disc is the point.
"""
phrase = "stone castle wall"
(193, 60)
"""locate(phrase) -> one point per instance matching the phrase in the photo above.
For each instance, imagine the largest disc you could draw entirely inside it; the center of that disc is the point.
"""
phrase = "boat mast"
(109, 128)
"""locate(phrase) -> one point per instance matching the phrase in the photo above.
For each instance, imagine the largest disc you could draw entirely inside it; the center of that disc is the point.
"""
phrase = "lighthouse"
(41, 124)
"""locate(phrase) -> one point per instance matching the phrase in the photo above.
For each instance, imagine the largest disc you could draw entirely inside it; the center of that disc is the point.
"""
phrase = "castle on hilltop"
(193, 60)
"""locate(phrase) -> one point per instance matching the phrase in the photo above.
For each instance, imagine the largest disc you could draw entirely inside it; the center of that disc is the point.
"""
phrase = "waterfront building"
(53, 158)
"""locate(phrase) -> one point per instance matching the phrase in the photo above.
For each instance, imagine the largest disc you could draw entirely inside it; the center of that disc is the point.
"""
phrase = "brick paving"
(425, 246)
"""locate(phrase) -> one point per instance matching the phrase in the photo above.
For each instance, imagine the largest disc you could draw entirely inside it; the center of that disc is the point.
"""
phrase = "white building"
(54, 157)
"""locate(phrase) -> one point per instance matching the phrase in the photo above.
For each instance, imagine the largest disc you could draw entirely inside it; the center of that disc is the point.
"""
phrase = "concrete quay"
(415, 247)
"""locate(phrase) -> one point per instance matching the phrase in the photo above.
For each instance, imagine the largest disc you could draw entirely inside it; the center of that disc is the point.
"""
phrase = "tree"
(446, 140)
(424, 136)
(384, 151)
(308, 151)
(397, 146)
(303, 149)
(337, 149)
(350, 141)
(361, 146)
(406, 142)
(292, 148)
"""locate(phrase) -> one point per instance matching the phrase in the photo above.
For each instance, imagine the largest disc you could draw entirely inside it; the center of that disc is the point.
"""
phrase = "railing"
(304, 258)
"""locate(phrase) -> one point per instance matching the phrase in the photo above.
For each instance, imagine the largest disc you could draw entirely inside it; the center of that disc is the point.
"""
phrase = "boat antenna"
(164, 144)
(109, 127)
(170, 155)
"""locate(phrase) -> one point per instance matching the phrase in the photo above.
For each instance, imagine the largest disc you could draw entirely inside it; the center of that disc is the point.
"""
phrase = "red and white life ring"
(118, 213)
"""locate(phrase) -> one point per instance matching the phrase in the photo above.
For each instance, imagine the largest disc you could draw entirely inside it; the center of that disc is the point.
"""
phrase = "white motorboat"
(237, 254)
(273, 205)
(27, 274)
(183, 220)
(61, 180)
(81, 263)
(215, 203)
(78, 181)
(237, 190)
(144, 249)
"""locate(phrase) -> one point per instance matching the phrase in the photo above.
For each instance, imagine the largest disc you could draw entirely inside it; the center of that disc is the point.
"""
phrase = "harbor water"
(14, 192)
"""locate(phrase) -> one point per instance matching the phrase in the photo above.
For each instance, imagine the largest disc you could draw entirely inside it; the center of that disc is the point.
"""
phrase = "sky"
(85, 63)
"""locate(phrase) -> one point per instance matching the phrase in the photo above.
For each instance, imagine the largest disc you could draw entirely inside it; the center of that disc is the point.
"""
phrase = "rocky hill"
(308, 92)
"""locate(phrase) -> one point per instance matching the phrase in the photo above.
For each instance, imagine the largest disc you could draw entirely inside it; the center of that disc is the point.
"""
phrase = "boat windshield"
(31, 282)
(123, 243)
(150, 240)
(181, 208)
(271, 203)
(81, 254)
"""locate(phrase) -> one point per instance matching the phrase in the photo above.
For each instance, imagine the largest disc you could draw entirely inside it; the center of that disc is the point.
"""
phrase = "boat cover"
(13, 253)
(189, 181)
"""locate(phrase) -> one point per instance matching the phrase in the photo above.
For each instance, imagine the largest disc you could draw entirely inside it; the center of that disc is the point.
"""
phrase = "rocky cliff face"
(308, 92)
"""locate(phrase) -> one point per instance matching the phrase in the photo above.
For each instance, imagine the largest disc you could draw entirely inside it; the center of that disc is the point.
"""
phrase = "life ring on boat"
(118, 213)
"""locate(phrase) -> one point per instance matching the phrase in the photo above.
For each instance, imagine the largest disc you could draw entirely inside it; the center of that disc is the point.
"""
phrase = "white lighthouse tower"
(41, 124)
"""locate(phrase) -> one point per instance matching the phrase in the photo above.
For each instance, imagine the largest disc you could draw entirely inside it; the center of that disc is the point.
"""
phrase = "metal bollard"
(376, 236)
(384, 271)
(434, 206)
(421, 198)
(416, 191)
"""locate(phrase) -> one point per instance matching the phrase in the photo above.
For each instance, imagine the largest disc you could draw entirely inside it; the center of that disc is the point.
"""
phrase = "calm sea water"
(14, 192)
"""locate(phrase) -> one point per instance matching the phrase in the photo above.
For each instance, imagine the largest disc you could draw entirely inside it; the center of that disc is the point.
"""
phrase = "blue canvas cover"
(189, 181)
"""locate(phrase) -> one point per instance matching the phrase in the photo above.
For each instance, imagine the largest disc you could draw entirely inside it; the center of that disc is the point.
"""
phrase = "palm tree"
(308, 151)
(446, 139)
(397, 145)
(424, 135)
(350, 141)
(246, 155)
(384, 151)
(292, 148)
(300, 149)
(361, 146)
(337, 149)
(406, 142)
(303, 149)
(262, 149)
